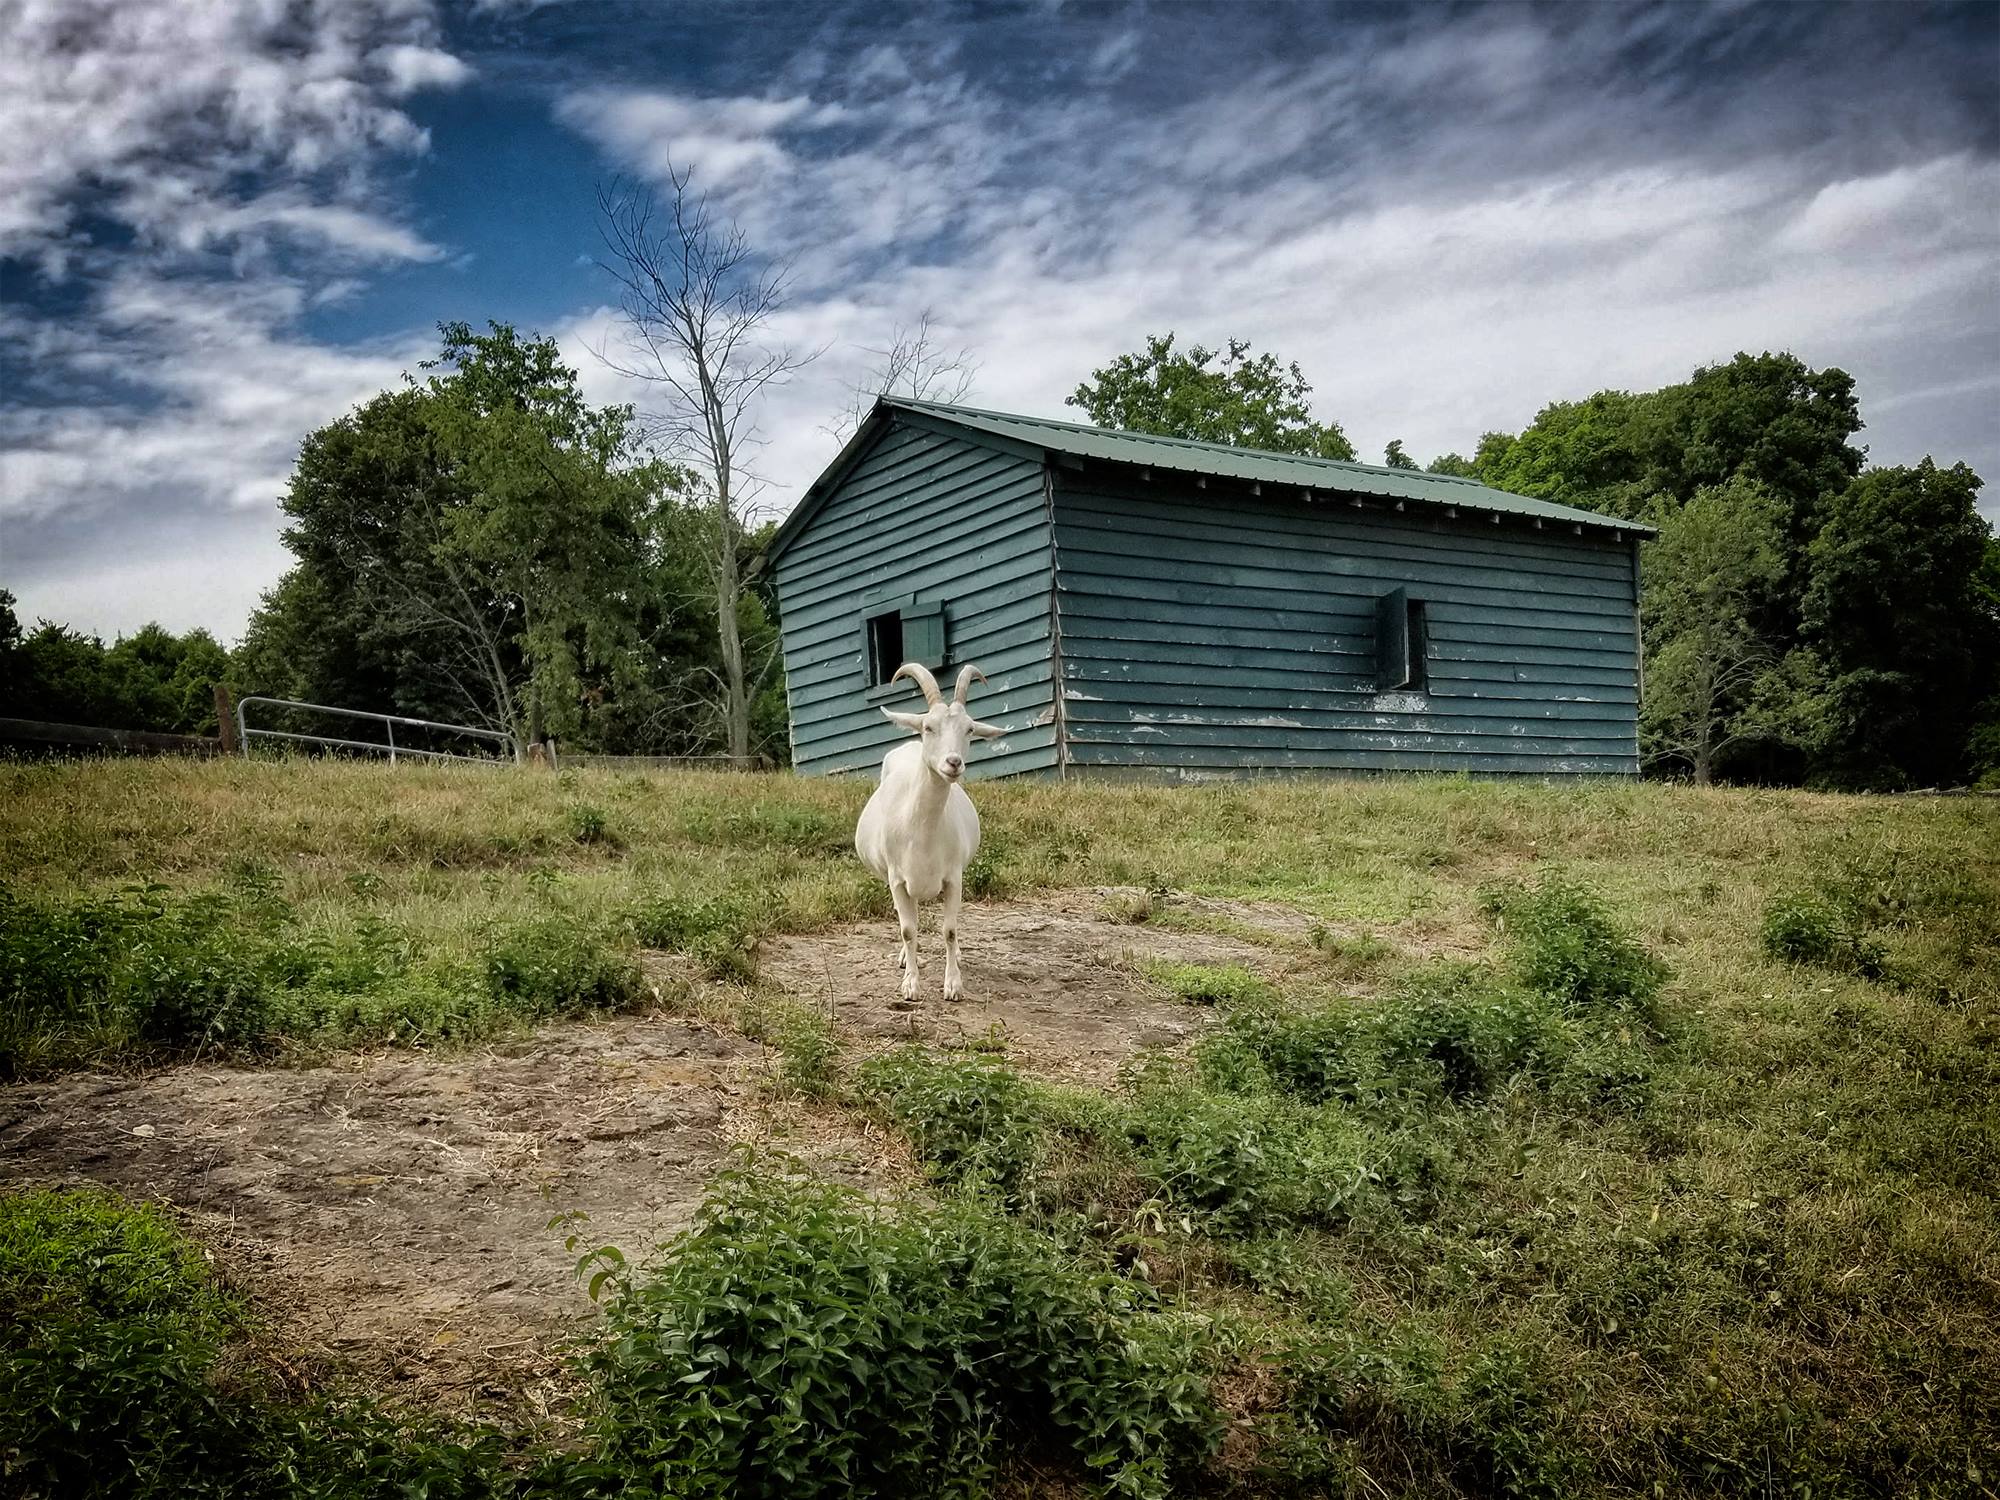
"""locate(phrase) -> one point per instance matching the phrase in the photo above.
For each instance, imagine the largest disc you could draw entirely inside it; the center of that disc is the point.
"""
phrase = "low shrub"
(589, 825)
(1245, 1162)
(973, 1120)
(1564, 943)
(718, 930)
(1209, 984)
(1804, 929)
(1449, 1035)
(1361, 1398)
(799, 1343)
(141, 969)
(807, 1048)
(558, 965)
(113, 1334)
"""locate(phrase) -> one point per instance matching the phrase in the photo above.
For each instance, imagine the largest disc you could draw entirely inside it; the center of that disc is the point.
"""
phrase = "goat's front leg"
(906, 923)
(954, 891)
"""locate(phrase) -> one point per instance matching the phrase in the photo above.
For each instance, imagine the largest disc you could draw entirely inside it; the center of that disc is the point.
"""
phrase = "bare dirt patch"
(1056, 977)
(392, 1212)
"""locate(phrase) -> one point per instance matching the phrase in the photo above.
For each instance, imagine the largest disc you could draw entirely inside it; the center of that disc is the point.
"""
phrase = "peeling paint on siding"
(1399, 703)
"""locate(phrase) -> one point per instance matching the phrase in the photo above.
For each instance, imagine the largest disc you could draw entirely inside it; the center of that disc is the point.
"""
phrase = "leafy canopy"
(1211, 396)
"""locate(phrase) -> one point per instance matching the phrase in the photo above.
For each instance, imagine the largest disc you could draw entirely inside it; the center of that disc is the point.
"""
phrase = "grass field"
(1675, 1178)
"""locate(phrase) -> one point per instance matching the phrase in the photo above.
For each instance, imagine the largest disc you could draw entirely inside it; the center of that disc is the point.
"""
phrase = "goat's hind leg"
(906, 924)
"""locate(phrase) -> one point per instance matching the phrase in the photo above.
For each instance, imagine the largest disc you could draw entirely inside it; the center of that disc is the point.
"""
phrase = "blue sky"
(222, 224)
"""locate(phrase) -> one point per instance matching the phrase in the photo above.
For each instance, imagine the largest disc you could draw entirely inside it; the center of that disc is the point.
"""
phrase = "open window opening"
(904, 630)
(1402, 644)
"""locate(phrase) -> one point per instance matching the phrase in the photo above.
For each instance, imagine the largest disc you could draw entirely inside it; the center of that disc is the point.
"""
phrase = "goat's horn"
(920, 674)
(965, 676)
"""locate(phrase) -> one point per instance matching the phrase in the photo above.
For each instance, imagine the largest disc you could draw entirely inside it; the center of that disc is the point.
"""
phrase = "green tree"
(1765, 417)
(1590, 453)
(485, 546)
(152, 679)
(167, 681)
(1395, 457)
(552, 508)
(313, 639)
(1895, 608)
(12, 664)
(1212, 396)
(1710, 673)
(478, 535)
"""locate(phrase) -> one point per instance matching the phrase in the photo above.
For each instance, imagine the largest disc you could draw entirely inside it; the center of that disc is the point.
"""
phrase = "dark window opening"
(885, 646)
(1402, 643)
(908, 631)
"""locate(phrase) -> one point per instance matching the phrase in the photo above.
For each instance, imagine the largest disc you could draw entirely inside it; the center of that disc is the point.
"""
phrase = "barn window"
(904, 630)
(1402, 643)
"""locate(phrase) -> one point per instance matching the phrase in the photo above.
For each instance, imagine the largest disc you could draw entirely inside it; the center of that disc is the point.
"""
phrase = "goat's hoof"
(953, 993)
(909, 990)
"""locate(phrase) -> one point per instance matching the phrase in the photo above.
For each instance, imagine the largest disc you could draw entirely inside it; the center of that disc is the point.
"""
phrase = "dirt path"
(1055, 976)
(391, 1213)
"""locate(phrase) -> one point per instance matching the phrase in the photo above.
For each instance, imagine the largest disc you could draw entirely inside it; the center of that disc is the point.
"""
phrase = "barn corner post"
(1638, 660)
(1058, 716)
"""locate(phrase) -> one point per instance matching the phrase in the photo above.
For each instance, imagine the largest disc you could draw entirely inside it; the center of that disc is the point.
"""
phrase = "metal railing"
(244, 732)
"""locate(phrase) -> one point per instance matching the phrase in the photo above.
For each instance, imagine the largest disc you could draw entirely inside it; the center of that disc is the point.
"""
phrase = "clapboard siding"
(930, 514)
(1209, 634)
(1134, 621)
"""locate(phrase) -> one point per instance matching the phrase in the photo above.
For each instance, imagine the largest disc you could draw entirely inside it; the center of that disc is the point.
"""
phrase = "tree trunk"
(735, 693)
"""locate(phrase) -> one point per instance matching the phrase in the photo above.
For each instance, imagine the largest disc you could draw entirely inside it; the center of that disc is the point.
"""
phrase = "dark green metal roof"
(1217, 460)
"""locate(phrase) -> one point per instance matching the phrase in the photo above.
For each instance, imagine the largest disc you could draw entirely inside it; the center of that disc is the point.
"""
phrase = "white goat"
(919, 830)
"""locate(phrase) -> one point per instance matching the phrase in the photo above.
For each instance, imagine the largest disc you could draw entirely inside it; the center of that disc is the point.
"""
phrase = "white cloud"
(191, 573)
(1938, 206)
(235, 143)
(1425, 306)
(161, 104)
(728, 142)
(232, 397)
(409, 68)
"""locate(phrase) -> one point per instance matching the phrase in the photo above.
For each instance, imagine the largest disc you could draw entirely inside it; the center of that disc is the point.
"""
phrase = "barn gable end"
(952, 537)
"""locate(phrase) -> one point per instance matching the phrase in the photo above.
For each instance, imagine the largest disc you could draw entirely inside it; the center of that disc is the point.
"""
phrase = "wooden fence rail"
(35, 737)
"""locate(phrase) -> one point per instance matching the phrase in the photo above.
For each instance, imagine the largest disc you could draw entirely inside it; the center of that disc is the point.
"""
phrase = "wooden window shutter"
(1392, 641)
(923, 633)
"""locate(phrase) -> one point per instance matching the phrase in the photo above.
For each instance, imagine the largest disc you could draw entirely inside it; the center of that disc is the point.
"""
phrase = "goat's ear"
(986, 731)
(912, 722)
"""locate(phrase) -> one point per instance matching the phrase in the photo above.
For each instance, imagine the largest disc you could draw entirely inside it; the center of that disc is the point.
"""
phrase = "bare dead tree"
(914, 365)
(697, 304)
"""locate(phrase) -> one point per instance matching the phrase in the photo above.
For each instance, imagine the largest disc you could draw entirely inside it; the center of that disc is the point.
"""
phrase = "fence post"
(225, 719)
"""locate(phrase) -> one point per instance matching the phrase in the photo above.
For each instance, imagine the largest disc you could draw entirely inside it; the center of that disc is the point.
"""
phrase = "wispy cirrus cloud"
(139, 109)
(179, 184)
(1446, 225)
(1448, 217)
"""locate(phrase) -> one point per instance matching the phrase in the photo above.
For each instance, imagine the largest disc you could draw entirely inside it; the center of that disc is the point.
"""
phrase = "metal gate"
(503, 740)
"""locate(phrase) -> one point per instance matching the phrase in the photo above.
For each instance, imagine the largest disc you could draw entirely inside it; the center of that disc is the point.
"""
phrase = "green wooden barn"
(1153, 607)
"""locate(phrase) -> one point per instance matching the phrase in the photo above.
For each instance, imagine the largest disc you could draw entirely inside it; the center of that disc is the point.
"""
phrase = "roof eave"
(817, 493)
